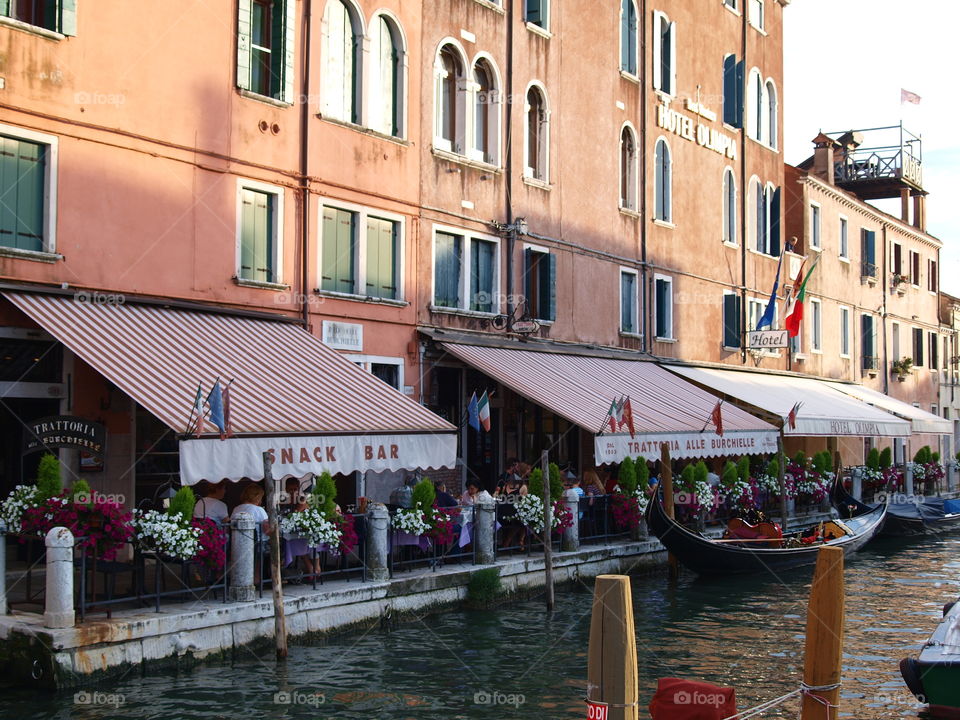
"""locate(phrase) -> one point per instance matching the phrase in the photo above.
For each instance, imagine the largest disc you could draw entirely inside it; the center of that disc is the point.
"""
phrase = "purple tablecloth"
(404, 538)
(467, 530)
(294, 547)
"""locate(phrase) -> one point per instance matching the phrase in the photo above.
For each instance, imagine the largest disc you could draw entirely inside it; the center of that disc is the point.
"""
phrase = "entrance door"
(15, 416)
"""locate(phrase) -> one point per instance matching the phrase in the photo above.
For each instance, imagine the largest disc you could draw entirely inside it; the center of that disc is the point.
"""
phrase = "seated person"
(474, 494)
(444, 499)
(292, 495)
(251, 502)
(211, 504)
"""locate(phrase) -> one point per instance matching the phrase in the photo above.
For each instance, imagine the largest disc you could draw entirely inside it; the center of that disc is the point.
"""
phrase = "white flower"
(642, 500)
(21, 499)
(165, 534)
(410, 521)
(312, 526)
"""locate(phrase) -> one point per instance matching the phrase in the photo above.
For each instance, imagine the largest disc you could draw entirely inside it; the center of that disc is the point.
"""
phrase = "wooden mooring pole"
(612, 656)
(279, 619)
(547, 529)
(666, 482)
(823, 650)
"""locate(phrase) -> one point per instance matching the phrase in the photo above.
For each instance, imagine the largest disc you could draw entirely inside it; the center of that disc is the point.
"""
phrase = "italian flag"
(795, 304)
(483, 410)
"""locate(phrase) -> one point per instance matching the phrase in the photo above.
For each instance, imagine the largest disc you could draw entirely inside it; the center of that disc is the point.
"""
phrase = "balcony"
(868, 271)
(879, 162)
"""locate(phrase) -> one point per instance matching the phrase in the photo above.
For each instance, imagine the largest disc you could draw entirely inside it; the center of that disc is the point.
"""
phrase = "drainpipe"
(508, 162)
(644, 315)
(744, 199)
(305, 293)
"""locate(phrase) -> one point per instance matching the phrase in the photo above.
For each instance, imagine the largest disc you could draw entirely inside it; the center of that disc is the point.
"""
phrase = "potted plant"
(902, 368)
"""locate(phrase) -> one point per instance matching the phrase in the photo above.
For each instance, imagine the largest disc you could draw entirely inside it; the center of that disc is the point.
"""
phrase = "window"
(538, 135)
(757, 18)
(796, 342)
(339, 251)
(663, 307)
(54, 15)
(732, 91)
(917, 347)
(868, 342)
(361, 252)
(729, 207)
(816, 326)
(383, 259)
(537, 12)
(664, 54)
(342, 49)
(628, 37)
(895, 340)
(387, 78)
(896, 258)
(766, 212)
(733, 4)
(540, 273)
(628, 169)
(663, 181)
(844, 239)
(265, 43)
(915, 268)
(933, 348)
(450, 124)
(259, 232)
(815, 227)
(28, 186)
(628, 302)
(731, 320)
(844, 332)
(932, 276)
(946, 353)
(868, 251)
(771, 131)
(387, 369)
(755, 309)
(486, 114)
(755, 106)
(466, 272)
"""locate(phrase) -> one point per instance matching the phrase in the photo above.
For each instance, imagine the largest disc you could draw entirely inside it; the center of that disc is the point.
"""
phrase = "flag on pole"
(614, 415)
(717, 418)
(626, 416)
(215, 401)
(198, 409)
(473, 412)
(228, 429)
(483, 410)
(792, 416)
(909, 97)
(795, 304)
(766, 320)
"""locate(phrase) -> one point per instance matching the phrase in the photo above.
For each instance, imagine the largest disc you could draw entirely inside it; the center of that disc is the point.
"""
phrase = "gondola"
(708, 556)
(934, 675)
(931, 517)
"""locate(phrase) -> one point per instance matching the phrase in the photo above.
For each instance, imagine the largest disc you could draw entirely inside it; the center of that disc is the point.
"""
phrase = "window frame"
(816, 326)
(460, 141)
(757, 306)
(277, 192)
(634, 33)
(64, 23)
(663, 178)
(933, 277)
(667, 280)
(635, 301)
(917, 348)
(366, 361)
(629, 191)
(846, 342)
(399, 94)
(758, 7)
(48, 250)
(544, 23)
(730, 223)
(739, 319)
(915, 268)
(933, 350)
(542, 250)
(284, 93)
(463, 285)
(659, 62)
(494, 112)
(874, 337)
(815, 216)
(541, 173)
(843, 244)
(771, 117)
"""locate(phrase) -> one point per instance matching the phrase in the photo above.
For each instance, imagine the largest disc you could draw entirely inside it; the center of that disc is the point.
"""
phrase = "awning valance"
(824, 411)
(920, 421)
(289, 391)
(665, 408)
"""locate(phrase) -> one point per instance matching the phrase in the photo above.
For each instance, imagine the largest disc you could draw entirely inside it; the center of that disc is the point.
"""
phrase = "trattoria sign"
(65, 431)
(238, 458)
(767, 339)
(690, 128)
(614, 448)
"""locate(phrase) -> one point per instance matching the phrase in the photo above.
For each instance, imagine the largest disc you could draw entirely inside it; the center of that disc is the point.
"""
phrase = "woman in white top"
(251, 502)
(211, 505)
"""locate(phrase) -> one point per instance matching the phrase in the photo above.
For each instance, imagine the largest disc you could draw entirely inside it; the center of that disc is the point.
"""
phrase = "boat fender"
(910, 671)
(678, 699)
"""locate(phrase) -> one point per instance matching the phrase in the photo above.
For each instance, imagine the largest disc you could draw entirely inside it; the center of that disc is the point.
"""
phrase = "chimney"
(823, 157)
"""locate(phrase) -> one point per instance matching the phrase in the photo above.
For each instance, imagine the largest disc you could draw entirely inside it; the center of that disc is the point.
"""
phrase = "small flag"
(795, 304)
(909, 97)
(198, 409)
(215, 401)
(614, 416)
(626, 416)
(228, 429)
(792, 416)
(717, 418)
(483, 410)
(473, 413)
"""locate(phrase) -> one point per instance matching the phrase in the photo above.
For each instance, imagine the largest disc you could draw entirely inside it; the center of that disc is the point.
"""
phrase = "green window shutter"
(731, 321)
(481, 275)
(263, 238)
(381, 258)
(8, 182)
(741, 79)
(289, 50)
(528, 259)
(247, 236)
(775, 224)
(344, 249)
(328, 257)
(550, 291)
(5, 8)
(31, 173)
(730, 94)
(446, 274)
(68, 17)
(243, 44)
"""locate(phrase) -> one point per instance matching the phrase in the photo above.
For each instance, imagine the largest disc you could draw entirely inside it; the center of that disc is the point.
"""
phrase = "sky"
(845, 64)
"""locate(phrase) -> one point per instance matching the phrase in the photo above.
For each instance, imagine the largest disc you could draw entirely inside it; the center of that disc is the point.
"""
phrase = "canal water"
(517, 662)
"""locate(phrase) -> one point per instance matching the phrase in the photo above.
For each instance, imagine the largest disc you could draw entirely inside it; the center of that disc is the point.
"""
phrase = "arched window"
(771, 116)
(729, 207)
(538, 135)
(342, 52)
(765, 205)
(628, 37)
(755, 106)
(486, 114)
(451, 100)
(759, 212)
(663, 182)
(664, 54)
(387, 78)
(628, 169)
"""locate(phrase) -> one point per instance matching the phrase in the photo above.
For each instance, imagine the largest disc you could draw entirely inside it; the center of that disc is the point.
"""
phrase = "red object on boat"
(678, 699)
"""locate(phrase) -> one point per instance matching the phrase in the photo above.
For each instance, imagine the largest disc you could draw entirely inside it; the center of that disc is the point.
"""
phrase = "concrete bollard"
(242, 551)
(571, 535)
(485, 531)
(857, 489)
(3, 568)
(908, 479)
(58, 611)
(378, 528)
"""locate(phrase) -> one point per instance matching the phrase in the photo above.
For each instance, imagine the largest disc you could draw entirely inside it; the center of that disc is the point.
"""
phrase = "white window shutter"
(673, 59)
(289, 46)
(243, 45)
(68, 17)
(657, 52)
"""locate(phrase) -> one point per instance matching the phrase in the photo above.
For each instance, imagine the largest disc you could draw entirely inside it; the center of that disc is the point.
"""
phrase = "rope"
(805, 689)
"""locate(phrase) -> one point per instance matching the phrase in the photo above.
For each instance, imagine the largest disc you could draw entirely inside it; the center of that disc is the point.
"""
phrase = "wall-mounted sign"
(525, 327)
(343, 336)
(767, 339)
(693, 130)
(65, 431)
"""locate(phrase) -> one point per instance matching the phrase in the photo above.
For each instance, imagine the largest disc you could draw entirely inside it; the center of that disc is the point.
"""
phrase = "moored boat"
(932, 516)
(934, 675)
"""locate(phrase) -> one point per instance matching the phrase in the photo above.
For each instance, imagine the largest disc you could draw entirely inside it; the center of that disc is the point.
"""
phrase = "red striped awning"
(666, 408)
(285, 381)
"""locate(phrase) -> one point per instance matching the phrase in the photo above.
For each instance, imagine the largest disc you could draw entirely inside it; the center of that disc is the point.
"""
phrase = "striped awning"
(920, 421)
(581, 389)
(286, 387)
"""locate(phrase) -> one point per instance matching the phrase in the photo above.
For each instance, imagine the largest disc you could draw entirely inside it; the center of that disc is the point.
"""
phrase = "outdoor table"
(405, 538)
(294, 546)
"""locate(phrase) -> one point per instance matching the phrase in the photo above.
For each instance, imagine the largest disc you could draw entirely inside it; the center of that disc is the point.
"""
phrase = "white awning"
(824, 411)
(920, 420)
